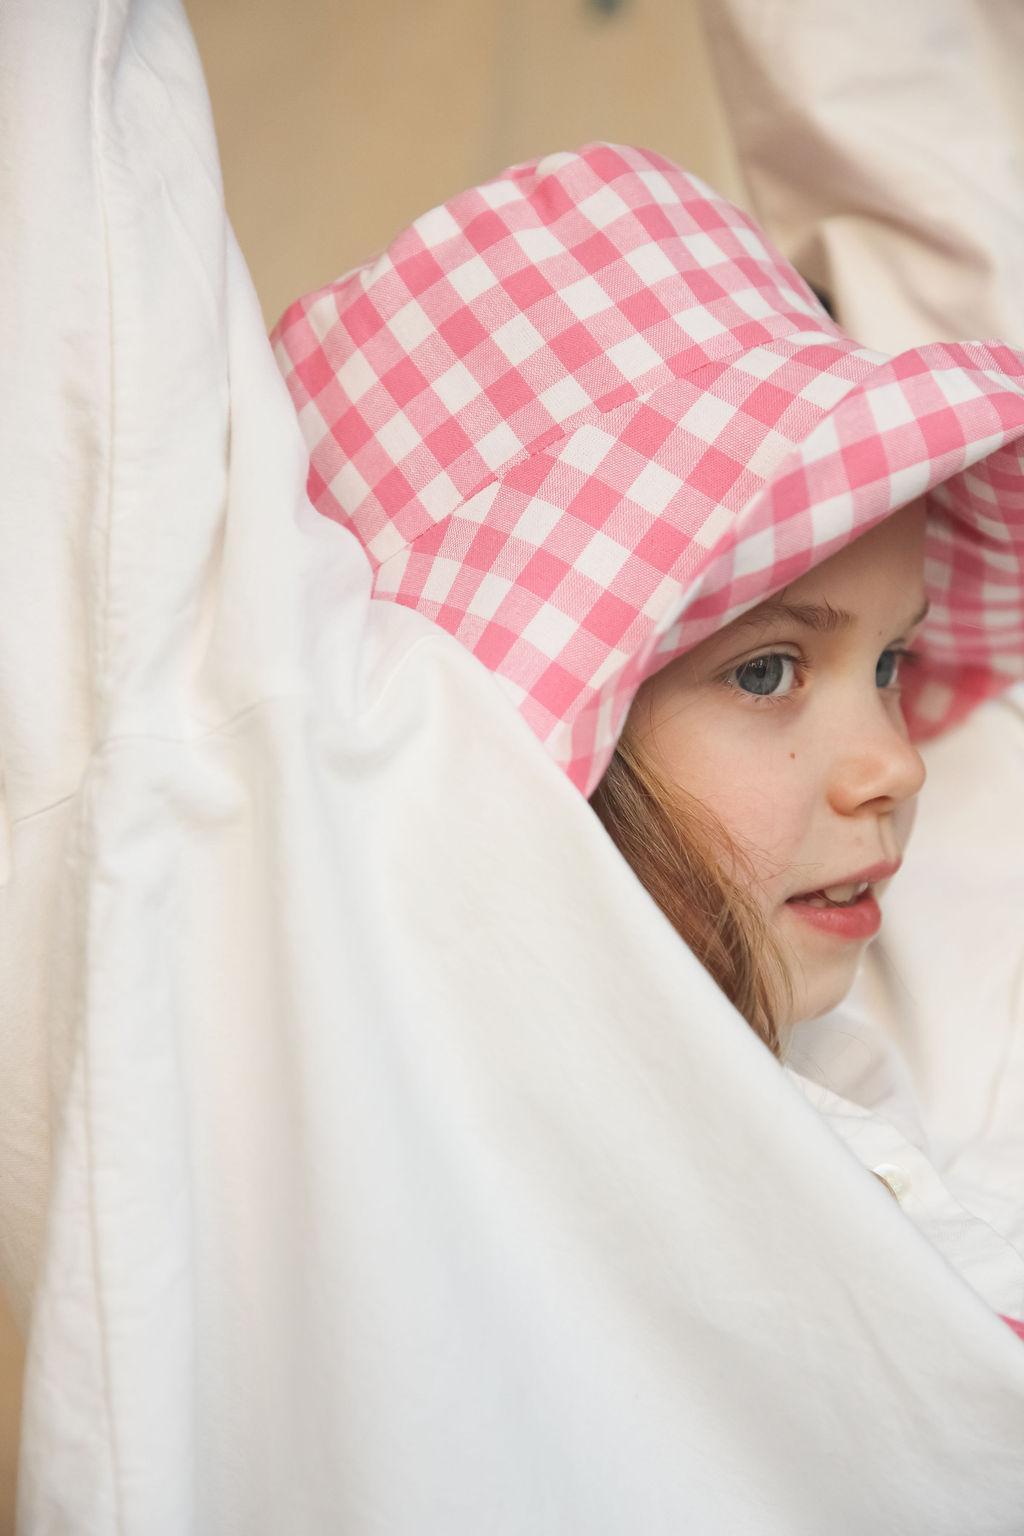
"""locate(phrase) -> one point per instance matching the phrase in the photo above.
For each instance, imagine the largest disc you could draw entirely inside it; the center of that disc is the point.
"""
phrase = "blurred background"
(339, 121)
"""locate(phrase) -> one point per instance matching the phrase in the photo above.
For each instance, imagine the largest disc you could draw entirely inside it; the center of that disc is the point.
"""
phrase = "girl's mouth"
(847, 912)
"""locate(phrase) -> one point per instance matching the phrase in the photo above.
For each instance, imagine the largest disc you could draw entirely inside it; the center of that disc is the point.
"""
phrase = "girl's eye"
(766, 676)
(887, 668)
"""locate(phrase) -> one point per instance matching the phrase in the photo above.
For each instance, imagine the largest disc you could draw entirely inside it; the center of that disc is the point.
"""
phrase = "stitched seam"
(100, 79)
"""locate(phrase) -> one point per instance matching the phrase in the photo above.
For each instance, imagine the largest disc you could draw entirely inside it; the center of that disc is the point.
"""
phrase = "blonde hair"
(680, 852)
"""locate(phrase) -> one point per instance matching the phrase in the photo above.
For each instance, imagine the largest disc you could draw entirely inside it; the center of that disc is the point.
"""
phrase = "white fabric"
(374, 1157)
(883, 150)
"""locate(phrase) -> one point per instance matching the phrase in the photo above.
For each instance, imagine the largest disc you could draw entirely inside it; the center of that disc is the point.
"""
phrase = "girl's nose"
(876, 764)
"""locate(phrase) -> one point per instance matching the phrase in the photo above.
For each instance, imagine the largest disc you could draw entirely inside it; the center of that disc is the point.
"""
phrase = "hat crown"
(573, 283)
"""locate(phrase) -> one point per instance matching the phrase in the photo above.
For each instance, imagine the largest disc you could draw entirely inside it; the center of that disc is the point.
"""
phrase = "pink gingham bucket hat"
(585, 415)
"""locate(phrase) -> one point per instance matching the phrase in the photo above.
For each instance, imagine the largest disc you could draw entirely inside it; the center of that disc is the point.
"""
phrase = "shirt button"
(895, 1179)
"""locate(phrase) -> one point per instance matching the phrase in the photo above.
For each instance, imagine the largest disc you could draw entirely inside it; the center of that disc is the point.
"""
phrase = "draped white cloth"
(373, 1156)
(883, 151)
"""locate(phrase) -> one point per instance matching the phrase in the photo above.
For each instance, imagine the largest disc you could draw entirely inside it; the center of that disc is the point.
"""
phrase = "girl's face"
(787, 725)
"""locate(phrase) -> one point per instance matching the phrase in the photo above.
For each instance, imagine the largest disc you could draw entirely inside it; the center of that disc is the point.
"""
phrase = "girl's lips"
(873, 875)
(860, 920)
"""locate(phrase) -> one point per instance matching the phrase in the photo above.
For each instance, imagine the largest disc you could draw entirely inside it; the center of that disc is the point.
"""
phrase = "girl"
(589, 422)
(782, 739)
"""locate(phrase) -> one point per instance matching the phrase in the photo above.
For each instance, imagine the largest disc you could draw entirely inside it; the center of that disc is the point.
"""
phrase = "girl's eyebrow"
(820, 617)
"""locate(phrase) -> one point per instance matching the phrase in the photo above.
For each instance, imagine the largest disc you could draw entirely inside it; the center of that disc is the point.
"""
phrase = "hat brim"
(592, 563)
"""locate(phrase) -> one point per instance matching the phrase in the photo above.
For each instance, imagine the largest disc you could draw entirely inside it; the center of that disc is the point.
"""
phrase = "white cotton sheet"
(373, 1156)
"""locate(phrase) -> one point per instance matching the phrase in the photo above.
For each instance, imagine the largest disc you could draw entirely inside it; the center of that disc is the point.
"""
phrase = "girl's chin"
(820, 981)
(805, 1012)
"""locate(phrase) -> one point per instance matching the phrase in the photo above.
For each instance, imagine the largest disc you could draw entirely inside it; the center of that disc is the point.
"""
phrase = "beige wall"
(339, 123)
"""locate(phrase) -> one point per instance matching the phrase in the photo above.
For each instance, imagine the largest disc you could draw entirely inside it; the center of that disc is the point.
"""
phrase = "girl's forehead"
(875, 584)
(883, 566)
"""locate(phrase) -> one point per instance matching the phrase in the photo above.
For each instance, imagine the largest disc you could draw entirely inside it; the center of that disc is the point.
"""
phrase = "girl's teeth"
(842, 895)
(843, 892)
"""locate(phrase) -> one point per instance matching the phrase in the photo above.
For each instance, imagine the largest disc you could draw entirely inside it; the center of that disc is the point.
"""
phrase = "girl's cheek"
(903, 818)
(786, 804)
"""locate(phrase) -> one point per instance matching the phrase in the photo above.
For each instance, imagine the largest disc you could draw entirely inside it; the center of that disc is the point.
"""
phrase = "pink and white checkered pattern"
(585, 415)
